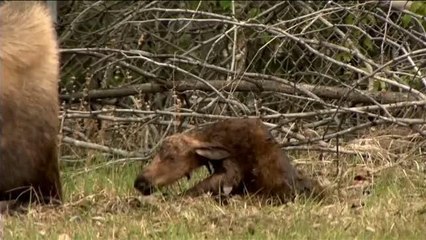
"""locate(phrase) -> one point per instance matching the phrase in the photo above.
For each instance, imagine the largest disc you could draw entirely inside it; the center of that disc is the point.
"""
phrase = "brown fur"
(29, 69)
(244, 155)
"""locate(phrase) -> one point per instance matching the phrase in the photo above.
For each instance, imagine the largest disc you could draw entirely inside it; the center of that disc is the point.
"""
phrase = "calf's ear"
(213, 153)
(209, 150)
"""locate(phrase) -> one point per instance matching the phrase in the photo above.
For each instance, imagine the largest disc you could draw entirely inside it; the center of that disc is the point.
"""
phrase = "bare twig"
(99, 147)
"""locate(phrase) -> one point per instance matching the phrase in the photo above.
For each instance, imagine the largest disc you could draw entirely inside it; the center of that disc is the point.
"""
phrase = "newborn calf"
(244, 157)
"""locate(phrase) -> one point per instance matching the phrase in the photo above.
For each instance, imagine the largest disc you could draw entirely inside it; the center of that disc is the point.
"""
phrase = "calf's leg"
(222, 181)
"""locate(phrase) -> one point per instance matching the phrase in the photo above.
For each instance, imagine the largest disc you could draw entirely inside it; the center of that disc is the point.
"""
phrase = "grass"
(102, 204)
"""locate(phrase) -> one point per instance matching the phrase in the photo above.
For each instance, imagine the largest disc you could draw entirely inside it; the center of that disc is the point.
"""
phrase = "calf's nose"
(143, 186)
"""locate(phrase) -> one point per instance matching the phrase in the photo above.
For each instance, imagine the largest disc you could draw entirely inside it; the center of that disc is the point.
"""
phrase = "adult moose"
(29, 71)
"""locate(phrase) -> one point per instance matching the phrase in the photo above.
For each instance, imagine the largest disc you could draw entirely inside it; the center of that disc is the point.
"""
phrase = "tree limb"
(260, 86)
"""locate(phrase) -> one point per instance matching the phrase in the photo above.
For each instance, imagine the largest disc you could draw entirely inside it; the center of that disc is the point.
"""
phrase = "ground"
(100, 203)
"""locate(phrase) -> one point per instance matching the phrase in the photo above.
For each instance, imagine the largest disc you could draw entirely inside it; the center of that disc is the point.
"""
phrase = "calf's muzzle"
(143, 185)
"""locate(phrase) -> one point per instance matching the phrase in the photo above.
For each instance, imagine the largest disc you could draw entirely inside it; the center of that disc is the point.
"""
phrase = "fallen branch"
(325, 149)
(99, 147)
(365, 110)
(260, 86)
(106, 164)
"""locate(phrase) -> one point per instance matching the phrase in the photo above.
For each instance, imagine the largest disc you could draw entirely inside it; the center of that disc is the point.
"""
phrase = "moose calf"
(244, 157)
(29, 71)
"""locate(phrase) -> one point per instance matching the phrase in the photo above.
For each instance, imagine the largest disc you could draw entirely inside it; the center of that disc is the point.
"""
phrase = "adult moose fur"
(244, 156)
(29, 66)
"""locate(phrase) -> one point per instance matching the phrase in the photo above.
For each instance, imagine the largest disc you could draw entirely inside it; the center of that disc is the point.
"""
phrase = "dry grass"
(377, 198)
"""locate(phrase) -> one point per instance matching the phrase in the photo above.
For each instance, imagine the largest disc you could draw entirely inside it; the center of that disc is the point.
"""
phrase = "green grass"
(102, 204)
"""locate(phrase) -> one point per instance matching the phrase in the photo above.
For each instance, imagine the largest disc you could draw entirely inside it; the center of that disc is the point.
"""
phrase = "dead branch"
(99, 147)
(260, 86)
(325, 149)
